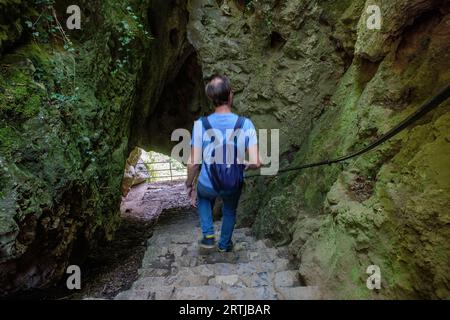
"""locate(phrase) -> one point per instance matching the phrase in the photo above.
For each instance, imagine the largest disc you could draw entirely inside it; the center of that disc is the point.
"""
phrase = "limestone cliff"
(314, 70)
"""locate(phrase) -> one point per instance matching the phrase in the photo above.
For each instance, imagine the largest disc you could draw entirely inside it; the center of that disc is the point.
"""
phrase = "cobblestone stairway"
(174, 267)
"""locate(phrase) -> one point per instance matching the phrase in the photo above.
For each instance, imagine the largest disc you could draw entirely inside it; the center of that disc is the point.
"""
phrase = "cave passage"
(180, 102)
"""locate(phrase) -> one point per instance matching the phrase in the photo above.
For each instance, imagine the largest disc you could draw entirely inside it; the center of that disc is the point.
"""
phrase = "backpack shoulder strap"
(238, 126)
(239, 123)
(207, 126)
(206, 123)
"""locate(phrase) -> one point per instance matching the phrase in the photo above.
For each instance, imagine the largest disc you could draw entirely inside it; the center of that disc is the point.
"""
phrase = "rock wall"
(313, 70)
(64, 125)
(67, 106)
(135, 171)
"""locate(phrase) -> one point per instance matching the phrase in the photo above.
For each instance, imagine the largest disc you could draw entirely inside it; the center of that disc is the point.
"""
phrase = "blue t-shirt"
(225, 122)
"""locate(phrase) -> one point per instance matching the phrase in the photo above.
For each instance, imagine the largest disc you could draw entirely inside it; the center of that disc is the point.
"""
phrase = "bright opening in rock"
(152, 181)
(150, 167)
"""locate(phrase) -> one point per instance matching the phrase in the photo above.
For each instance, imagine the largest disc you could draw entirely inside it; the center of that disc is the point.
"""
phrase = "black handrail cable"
(429, 105)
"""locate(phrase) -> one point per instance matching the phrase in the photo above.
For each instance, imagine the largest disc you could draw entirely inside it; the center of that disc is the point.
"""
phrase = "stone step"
(176, 267)
(258, 293)
(230, 293)
(153, 293)
(199, 293)
(220, 275)
(209, 292)
(299, 293)
(165, 266)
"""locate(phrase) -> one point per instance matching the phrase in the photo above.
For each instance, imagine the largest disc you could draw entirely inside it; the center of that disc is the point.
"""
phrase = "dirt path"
(147, 201)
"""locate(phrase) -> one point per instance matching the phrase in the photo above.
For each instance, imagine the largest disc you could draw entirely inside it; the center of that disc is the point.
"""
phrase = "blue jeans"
(205, 204)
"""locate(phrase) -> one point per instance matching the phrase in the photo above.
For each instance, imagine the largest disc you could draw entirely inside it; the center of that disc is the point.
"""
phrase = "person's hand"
(251, 166)
(192, 194)
(246, 165)
(188, 190)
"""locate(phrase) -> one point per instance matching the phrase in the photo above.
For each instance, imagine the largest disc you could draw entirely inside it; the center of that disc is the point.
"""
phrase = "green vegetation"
(46, 27)
(129, 30)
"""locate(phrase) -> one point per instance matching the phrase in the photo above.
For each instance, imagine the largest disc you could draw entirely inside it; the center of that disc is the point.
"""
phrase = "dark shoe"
(229, 249)
(208, 242)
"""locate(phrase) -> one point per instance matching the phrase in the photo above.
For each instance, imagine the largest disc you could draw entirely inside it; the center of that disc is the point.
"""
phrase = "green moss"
(7, 136)
(33, 105)
(22, 97)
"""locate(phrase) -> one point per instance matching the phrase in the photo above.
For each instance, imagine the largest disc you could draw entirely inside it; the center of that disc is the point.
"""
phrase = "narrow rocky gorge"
(71, 112)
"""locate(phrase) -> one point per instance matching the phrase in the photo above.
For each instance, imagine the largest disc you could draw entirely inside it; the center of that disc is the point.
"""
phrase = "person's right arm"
(193, 165)
(253, 162)
(195, 158)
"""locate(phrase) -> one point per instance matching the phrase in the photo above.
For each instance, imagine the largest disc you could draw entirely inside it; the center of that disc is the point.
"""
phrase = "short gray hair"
(218, 90)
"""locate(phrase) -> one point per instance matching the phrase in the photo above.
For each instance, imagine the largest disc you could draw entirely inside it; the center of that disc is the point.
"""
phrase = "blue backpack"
(223, 176)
